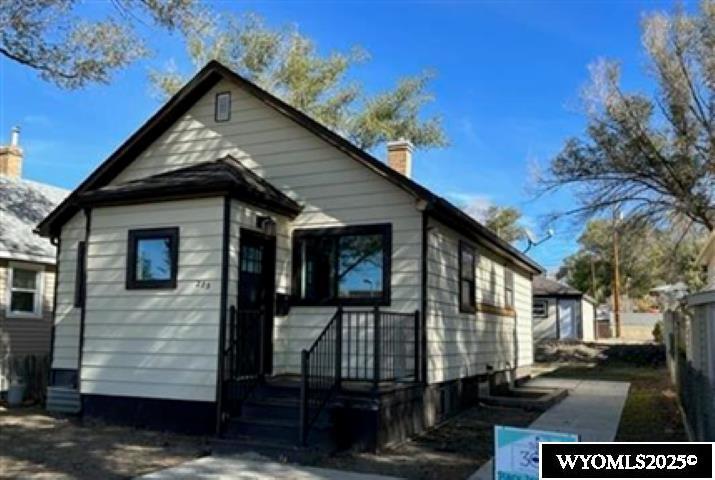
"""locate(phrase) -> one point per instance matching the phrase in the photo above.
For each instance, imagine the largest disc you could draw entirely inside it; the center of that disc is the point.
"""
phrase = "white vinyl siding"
(335, 189)
(463, 344)
(160, 343)
(67, 316)
(588, 313)
(545, 328)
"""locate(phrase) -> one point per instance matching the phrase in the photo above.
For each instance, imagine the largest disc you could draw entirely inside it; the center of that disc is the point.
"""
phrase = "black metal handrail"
(359, 345)
(320, 373)
(242, 355)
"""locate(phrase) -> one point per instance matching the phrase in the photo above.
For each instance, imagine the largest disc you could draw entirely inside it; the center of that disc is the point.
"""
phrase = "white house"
(562, 312)
(233, 245)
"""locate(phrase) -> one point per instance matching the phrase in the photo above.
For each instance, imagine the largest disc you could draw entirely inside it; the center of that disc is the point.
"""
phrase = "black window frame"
(151, 234)
(79, 280)
(384, 229)
(468, 305)
(216, 100)
(545, 304)
(509, 288)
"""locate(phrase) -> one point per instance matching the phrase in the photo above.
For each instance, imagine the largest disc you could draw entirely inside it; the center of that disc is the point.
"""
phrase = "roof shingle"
(24, 203)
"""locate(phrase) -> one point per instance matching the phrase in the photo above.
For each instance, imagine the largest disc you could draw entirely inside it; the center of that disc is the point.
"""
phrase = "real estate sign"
(516, 451)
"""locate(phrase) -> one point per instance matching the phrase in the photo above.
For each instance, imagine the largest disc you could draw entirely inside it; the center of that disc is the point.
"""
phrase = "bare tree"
(653, 156)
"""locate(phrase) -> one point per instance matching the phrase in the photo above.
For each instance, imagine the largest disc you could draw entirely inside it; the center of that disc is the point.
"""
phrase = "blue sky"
(508, 78)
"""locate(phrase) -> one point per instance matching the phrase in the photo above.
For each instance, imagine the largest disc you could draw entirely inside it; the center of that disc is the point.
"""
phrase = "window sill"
(496, 310)
(23, 316)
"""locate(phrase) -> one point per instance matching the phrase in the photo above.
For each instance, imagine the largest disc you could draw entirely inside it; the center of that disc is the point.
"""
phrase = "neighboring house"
(27, 262)
(233, 246)
(689, 335)
(562, 312)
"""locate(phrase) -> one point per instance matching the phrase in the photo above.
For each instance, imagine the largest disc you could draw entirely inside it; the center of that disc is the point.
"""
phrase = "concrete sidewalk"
(592, 410)
(251, 467)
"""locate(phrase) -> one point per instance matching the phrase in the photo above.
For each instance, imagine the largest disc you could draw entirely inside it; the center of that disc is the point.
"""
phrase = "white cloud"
(475, 205)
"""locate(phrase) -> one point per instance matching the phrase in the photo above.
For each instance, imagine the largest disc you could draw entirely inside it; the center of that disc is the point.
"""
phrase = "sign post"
(516, 451)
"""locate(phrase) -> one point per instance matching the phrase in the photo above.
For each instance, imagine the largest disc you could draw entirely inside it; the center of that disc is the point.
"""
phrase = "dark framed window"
(152, 258)
(540, 309)
(345, 266)
(79, 280)
(508, 288)
(467, 278)
(222, 109)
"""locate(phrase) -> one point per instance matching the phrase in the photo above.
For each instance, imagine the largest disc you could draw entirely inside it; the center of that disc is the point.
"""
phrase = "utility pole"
(593, 276)
(616, 277)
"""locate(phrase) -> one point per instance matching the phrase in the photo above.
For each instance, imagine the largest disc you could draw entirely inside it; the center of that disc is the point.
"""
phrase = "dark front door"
(256, 287)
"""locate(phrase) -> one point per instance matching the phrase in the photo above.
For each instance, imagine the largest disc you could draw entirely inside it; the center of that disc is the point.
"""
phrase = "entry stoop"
(63, 400)
(270, 423)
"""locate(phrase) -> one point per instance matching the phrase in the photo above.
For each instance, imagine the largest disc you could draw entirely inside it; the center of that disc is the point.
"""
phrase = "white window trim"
(39, 290)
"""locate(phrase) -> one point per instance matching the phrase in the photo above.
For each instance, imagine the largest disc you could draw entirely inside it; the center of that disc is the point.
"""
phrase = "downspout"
(57, 242)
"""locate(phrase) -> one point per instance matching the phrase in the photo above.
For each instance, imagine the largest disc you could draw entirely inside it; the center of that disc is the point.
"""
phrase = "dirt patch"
(454, 450)
(36, 445)
(566, 352)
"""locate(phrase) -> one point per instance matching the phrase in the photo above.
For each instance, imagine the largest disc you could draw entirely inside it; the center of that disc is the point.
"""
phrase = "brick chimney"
(11, 156)
(399, 156)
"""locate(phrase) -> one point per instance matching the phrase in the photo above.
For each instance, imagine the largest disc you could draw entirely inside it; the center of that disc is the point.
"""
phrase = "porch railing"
(242, 356)
(357, 345)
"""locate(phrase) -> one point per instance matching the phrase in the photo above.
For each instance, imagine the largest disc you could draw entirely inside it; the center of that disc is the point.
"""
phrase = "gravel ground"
(36, 445)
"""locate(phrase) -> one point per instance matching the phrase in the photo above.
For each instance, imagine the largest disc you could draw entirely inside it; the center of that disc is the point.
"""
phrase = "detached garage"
(562, 312)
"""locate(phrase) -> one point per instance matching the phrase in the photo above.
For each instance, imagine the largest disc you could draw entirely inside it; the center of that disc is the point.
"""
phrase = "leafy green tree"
(72, 49)
(286, 63)
(648, 256)
(504, 221)
(652, 155)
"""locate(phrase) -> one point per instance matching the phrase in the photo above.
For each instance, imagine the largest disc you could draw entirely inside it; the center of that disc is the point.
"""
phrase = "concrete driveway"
(592, 410)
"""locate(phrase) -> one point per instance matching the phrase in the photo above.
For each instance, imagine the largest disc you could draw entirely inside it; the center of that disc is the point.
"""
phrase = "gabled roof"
(223, 176)
(23, 203)
(202, 82)
(547, 287)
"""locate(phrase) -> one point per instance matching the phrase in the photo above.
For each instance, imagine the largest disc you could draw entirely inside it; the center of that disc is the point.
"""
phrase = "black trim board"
(218, 414)
(203, 81)
(180, 416)
(82, 315)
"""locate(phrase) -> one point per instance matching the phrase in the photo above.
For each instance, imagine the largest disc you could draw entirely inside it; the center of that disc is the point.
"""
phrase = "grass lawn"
(651, 412)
